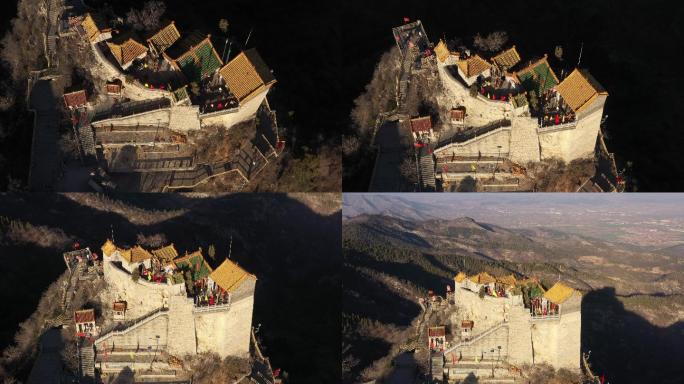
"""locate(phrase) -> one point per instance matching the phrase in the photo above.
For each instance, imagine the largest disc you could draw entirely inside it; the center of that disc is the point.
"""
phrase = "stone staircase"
(427, 171)
(124, 328)
(86, 138)
(437, 367)
(475, 340)
(86, 361)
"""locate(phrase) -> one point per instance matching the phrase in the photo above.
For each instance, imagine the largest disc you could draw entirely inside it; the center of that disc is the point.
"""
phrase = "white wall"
(142, 297)
(247, 112)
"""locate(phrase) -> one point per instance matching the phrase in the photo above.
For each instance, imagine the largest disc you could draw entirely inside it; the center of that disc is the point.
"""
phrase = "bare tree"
(350, 145)
(68, 146)
(408, 168)
(492, 42)
(156, 240)
(223, 25)
(147, 18)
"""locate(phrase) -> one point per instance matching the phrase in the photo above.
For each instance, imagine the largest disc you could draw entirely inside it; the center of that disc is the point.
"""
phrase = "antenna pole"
(248, 36)
(580, 55)
(230, 247)
(223, 55)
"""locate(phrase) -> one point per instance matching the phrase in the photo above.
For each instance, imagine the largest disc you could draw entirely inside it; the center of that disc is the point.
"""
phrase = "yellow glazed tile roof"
(579, 90)
(460, 277)
(507, 58)
(229, 276)
(442, 51)
(93, 28)
(127, 50)
(167, 253)
(108, 247)
(508, 280)
(246, 75)
(165, 38)
(482, 278)
(138, 254)
(559, 293)
(474, 65)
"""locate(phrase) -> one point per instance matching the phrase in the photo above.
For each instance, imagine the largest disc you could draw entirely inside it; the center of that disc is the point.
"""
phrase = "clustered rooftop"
(541, 302)
(192, 59)
(165, 266)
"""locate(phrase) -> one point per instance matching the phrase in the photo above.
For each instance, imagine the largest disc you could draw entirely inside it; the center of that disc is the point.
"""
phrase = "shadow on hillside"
(375, 301)
(626, 347)
(410, 271)
(292, 250)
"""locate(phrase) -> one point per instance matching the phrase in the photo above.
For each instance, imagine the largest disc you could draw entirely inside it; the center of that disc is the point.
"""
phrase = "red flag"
(77, 245)
(406, 20)
(276, 372)
(603, 379)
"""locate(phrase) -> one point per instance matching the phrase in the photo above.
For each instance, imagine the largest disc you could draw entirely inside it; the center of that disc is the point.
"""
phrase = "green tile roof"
(208, 60)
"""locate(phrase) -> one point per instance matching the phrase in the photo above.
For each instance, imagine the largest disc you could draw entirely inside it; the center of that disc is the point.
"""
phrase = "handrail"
(472, 133)
(123, 328)
(477, 338)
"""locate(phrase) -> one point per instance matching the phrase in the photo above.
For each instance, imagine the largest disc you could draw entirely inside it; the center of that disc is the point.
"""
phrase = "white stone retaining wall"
(554, 341)
(246, 112)
(142, 337)
(485, 145)
(142, 296)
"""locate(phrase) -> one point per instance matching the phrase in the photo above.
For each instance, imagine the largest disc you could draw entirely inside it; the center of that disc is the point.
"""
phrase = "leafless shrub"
(380, 94)
(69, 352)
(545, 374)
(557, 176)
(18, 355)
(22, 46)
(42, 236)
(350, 145)
(220, 144)
(408, 167)
(147, 18)
(492, 42)
(208, 368)
(156, 240)
(68, 146)
(135, 215)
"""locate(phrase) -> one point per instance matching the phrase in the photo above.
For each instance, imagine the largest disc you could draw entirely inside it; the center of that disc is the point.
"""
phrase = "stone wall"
(228, 332)
(142, 296)
(246, 112)
(184, 118)
(519, 345)
(524, 140)
(526, 341)
(485, 145)
(141, 337)
(151, 118)
(107, 71)
(182, 333)
(576, 143)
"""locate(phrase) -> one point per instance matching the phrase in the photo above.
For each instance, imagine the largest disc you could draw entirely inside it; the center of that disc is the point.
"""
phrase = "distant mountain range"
(588, 263)
(650, 221)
